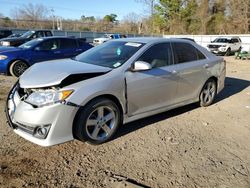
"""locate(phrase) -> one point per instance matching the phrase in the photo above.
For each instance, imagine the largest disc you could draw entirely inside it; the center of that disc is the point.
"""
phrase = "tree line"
(164, 17)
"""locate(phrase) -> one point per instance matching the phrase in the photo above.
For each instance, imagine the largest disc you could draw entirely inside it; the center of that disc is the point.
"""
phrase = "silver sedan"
(90, 96)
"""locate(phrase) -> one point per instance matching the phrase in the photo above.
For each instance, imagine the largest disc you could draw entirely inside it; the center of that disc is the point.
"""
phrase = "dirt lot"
(186, 147)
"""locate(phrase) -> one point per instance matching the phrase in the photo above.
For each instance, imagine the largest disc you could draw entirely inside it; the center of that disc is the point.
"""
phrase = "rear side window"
(68, 43)
(185, 52)
(159, 55)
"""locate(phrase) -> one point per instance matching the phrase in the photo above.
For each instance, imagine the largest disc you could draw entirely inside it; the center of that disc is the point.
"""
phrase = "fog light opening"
(42, 132)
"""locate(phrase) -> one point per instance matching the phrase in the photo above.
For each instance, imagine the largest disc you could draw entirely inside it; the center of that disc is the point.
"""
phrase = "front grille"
(25, 128)
(213, 46)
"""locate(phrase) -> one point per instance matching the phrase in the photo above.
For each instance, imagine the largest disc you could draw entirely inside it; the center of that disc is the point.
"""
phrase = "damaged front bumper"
(45, 126)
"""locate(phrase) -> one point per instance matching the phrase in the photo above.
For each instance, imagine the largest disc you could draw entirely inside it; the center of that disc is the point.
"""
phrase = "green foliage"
(111, 18)
(190, 16)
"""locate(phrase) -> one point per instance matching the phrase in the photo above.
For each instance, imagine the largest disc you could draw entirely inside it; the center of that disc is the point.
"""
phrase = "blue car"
(15, 60)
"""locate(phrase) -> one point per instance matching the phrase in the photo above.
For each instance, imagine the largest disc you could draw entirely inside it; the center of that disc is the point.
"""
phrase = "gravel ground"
(185, 147)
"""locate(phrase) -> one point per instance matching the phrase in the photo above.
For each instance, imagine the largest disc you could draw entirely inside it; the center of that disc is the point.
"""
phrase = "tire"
(228, 52)
(17, 68)
(208, 93)
(97, 122)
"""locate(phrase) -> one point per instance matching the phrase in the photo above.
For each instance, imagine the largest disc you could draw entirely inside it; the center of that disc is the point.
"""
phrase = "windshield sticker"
(118, 51)
(117, 64)
(133, 44)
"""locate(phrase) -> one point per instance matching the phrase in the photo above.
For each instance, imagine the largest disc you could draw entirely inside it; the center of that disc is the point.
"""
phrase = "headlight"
(5, 43)
(3, 57)
(224, 46)
(48, 97)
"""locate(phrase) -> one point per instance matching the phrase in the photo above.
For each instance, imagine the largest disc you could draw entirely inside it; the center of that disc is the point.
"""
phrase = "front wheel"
(228, 52)
(17, 68)
(208, 93)
(97, 122)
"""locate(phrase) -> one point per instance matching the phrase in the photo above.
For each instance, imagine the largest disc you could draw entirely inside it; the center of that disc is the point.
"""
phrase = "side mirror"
(141, 66)
(37, 48)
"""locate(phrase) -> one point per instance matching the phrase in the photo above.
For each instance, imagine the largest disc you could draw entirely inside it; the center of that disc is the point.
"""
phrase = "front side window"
(185, 52)
(50, 45)
(111, 54)
(159, 55)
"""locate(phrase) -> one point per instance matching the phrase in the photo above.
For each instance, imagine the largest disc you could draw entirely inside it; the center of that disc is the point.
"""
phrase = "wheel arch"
(104, 96)
(13, 60)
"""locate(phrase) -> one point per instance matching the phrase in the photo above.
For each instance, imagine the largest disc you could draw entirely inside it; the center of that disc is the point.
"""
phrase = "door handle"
(206, 66)
(78, 50)
(57, 52)
(174, 72)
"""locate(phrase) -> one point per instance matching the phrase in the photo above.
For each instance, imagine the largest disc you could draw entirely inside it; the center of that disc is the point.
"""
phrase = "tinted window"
(158, 55)
(48, 33)
(39, 34)
(68, 43)
(52, 44)
(185, 52)
(235, 40)
(200, 55)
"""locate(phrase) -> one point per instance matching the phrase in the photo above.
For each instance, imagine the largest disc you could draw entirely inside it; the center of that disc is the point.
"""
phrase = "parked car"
(120, 81)
(225, 45)
(14, 35)
(29, 35)
(106, 38)
(15, 60)
(5, 33)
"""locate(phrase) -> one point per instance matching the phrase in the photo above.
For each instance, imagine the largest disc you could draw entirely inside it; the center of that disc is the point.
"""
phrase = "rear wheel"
(97, 122)
(17, 68)
(208, 93)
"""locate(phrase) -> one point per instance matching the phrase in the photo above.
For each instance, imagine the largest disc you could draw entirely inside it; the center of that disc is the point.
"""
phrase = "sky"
(74, 9)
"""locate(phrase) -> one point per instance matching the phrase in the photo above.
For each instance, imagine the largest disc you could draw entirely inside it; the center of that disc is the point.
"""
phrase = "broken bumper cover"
(45, 126)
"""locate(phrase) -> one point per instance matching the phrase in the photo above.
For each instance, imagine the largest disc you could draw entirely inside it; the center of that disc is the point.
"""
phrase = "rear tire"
(97, 122)
(208, 93)
(18, 67)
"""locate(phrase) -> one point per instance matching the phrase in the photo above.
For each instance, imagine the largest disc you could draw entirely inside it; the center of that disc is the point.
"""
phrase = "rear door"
(69, 47)
(152, 89)
(191, 70)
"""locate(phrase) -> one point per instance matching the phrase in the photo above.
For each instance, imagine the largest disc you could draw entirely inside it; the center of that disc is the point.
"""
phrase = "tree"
(111, 18)
(31, 11)
(87, 18)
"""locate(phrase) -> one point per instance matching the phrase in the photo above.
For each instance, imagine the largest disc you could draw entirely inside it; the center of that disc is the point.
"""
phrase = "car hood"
(14, 39)
(218, 43)
(54, 73)
(9, 49)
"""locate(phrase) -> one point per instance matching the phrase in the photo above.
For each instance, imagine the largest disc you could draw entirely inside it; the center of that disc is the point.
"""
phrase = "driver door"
(47, 50)
(155, 88)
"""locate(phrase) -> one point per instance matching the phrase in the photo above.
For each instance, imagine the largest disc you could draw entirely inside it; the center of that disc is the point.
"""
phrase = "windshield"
(222, 40)
(27, 34)
(111, 54)
(31, 43)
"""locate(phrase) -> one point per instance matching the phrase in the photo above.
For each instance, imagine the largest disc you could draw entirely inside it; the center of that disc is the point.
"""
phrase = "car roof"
(58, 37)
(153, 39)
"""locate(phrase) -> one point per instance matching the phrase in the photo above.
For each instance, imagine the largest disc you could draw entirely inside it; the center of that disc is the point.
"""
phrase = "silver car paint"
(147, 92)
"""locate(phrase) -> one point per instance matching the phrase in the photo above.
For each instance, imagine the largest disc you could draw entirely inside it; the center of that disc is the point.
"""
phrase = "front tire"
(228, 52)
(97, 122)
(208, 93)
(17, 68)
